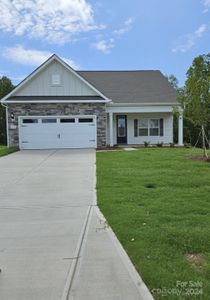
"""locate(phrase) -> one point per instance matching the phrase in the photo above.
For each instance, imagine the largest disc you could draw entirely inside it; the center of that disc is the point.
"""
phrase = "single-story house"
(58, 107)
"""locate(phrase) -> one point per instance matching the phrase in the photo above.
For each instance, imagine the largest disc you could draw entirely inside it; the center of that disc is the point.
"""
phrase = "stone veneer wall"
(49, 109)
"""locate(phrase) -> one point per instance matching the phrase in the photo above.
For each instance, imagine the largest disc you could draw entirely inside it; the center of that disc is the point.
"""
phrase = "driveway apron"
(44, 199)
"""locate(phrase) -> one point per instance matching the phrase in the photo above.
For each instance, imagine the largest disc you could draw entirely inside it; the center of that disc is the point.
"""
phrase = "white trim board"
(54, 101)
(139, 109)
(113, 104)
(56, 116)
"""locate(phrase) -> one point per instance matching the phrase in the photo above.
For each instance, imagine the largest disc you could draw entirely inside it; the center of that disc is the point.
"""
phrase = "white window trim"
(154, 127)
(148, 127)
(139, 127)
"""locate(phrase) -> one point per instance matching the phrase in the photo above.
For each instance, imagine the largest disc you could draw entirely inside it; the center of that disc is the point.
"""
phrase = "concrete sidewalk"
(104, 271)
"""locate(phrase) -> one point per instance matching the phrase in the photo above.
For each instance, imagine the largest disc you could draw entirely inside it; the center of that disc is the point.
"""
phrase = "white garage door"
(57, 132)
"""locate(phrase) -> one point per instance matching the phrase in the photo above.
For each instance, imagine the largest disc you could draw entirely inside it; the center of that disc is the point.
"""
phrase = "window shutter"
(135, 127)
(161, 127)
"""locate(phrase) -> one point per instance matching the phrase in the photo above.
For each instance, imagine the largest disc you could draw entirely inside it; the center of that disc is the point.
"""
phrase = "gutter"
(6, 107)
(55, 101)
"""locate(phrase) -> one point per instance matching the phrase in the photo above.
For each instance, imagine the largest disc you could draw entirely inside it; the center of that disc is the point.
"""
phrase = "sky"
(103, 35)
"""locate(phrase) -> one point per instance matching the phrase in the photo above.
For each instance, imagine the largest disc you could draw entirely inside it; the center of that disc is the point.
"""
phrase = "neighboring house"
(58, 107)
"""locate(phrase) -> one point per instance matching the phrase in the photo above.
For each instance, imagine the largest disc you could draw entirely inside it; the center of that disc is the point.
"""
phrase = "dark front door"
(121, 129)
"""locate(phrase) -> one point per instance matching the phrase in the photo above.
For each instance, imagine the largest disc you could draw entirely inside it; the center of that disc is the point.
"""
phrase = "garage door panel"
(62, 133)
(77, 135)
(39, 136)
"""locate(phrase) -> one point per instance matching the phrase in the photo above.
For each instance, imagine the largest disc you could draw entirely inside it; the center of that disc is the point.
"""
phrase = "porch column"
(180, 133)
(111, 143)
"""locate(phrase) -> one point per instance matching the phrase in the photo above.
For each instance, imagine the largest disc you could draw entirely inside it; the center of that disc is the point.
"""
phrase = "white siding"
(168, 129)
(41, 84)
(166, 138)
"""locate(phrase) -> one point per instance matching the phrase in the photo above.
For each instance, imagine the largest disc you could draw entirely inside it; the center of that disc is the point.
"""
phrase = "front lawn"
(157, 201)
(4, 150)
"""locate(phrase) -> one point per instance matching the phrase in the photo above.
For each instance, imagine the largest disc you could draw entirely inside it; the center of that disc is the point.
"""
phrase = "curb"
(141, 286)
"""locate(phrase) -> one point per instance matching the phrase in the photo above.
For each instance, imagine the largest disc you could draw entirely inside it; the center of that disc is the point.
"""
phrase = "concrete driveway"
(54, 244)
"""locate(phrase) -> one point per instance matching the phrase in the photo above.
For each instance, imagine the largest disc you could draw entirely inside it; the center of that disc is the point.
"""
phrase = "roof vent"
(56, 79)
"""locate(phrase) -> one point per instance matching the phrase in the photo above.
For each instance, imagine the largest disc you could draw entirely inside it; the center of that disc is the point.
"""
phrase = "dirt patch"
(198, 261)
(199, 157)
(150, 186)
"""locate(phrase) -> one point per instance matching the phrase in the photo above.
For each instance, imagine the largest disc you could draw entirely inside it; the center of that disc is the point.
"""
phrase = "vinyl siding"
(166, 138)
(41, 84)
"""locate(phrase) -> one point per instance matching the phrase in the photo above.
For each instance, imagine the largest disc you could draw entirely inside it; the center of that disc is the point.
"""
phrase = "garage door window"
(45, 121)
(30, 121)
(85, 120)
(67, 120)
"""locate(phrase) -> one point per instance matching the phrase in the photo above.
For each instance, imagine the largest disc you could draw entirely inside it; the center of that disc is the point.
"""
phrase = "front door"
(121, 129)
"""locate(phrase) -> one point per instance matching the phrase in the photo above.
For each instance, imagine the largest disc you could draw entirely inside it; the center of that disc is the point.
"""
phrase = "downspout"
(5, 106)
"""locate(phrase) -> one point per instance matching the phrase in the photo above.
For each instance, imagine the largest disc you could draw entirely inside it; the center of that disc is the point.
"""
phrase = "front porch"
(134, 127)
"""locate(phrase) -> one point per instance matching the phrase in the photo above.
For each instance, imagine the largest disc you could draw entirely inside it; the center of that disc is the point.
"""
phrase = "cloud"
(31, 57)
(125, 28)
(206, 4)
(54, 21)
(14, 79)
(105, 46)
(186, 42)
(17, 78)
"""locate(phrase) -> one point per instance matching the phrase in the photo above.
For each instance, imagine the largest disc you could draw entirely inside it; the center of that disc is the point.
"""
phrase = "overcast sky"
(103, 34)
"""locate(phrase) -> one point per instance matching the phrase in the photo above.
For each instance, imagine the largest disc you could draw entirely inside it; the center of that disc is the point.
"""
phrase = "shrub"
(146, 144)
(188, 145)
(172, 145)
(160, 144)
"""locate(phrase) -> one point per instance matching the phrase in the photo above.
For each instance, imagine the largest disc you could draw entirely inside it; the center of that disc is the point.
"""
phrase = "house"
(58, 107)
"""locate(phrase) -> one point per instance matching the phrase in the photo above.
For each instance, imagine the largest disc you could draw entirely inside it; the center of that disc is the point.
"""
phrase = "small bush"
(146, 144)
(188, 145)
(160, 144)
(172, 145)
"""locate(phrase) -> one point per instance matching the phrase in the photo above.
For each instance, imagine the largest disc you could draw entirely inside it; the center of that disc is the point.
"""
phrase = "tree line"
(194, 98)
(6, 87)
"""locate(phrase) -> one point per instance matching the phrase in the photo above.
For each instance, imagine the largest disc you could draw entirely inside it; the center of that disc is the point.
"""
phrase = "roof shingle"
(132, 86)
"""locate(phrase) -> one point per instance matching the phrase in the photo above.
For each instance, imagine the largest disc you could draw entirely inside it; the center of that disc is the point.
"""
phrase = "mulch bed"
(199, 157)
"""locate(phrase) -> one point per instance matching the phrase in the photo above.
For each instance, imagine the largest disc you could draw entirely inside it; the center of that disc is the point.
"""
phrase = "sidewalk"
(104, 271)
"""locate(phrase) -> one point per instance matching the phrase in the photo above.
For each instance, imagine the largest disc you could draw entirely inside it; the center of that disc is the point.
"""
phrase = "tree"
(6, 86)
(173, 81)
(196, 98)
(175, 84)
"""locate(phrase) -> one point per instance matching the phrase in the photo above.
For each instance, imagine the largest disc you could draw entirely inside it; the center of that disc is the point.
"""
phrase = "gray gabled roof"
(132, 86)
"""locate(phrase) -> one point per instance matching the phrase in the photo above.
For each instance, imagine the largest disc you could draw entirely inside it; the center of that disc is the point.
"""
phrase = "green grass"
(161, 199)
(5, 151)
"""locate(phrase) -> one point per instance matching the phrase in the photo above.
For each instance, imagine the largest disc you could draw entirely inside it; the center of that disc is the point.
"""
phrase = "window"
(148, 127)
(85, 120)
(65, 120)
(154, 127)
(49, 120)
(30, 121)
(143, 127)
(56, 79)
